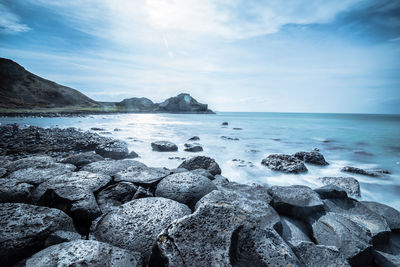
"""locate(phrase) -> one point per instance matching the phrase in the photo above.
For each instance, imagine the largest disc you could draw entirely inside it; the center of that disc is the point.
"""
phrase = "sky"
(235, 55)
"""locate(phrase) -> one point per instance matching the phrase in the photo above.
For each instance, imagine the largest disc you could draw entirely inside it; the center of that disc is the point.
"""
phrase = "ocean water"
(365, 141)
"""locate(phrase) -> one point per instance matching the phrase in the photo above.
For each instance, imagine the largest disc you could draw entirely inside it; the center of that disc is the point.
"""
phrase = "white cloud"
(9, 22)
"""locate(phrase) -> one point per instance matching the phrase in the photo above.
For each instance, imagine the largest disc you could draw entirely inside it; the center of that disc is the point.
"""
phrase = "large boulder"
(313, 157)
(331, 191)
(294, 231)
(12, 190)
(296, 201)
(84, 253)
(202, 172)
(114, 149)
(185, 187)
(146, 177)
(284, 163)
(115, 195)
(136, 224)
(42, 161)
(82, 159)
(24, 229)
(391, 215)
(112, 167)
(201, 162)
(349, 184)
(164, 146)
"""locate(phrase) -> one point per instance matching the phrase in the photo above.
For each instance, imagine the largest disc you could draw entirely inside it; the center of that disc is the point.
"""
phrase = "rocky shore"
(72, 198)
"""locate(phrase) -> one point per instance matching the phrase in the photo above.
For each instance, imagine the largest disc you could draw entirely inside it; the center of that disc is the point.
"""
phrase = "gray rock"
(349, 184)
(115, 195)
(3, 172)
(24, 228)
(331, 191)
(237, 129)
(294, 231)
(142, 193)
(353, 241)
(313, 157)
(225, 123)
(136, 224)
(194, 138)
(372, 172)
(201, 162)
(296, 201)
(142, 176)
(178, 170)
(284, 163)
(185, 187)
(38, 175)
(164, 146)
(97, 129)
(84, 253)
(204, 173)
(312, 255)
(42, 161)
(112, 167)
(361, 215)
(61, 236)
(391, 215)
(195, 147)
(82, 159)
(182, 103)
(132, 155)
(12, 190)
(388, 255)
(114, 149)
(230, 138)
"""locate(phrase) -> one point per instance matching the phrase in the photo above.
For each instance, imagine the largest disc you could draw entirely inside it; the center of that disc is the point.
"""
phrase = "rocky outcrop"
(136, 104)
(372, 172)
(284, 163)
(182, 103)
(313, 157)
(145, 177)
(195, 147)
(164, 146)
(349, 184)
(201, 162)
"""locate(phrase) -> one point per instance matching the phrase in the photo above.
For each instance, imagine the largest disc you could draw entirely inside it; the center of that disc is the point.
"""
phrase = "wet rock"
(360, 214)
(117, 130)
(42, 161)
(164, 146)
(114, 149)
(372, 172)
(331, 191)
(24, 229)
(136, 224)
(115, 195)
(313, 157)
(185, 187)
(112, 167)
(284, 163)
(132, 155)
(203, 172)
(3, 172)
(97, 129)
(237, 129)
(296, 201)
(352, 240)
(146, 177)
(294, 231)
(229, 138)
(391, 215)
(388, 254)
(225, 123)
(201, 162)
(312, 255)
(82, 159)
(349, 184)
(178, 170)
(14, 191)
(195, 147)
(194, 138)
(84, 253)
(105, 133)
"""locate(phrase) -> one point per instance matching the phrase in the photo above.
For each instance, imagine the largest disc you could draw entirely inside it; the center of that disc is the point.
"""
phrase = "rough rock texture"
(349, 184)
(388, 254)
(84, 253)
(43, 162)
(82, 159)
(164, 146)
(391, 215)
(24, 229)
(61, 236)
(114, 149)
(15, 191)
(201, 162)
(195, 147)
(136, 224)
(3, 172)
(185, 187)
(294, 231)
(313, 157)
(203, 172)
(331, 191)
(296, 201)
(115, 195)
(142, 176)
(182, 103)
(284, 163)
(112, 167)
(312, 255)
(372, 173)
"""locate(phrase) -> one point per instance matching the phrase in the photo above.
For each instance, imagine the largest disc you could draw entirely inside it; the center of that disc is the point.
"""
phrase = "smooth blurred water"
(364, 141)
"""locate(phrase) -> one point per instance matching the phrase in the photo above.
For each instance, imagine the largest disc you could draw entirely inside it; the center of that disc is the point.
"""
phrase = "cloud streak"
(10, 22)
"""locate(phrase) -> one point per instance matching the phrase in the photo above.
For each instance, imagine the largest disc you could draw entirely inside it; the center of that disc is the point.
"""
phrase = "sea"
(359, 140)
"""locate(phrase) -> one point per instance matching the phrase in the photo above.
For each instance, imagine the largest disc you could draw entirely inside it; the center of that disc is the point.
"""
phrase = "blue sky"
(235, 55)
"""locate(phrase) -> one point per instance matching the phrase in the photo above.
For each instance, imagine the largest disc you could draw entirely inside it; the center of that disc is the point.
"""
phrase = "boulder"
(42, 161)
(114, 149)
(164, 146)
(84, 253)
(82, 159)
(388, 254)
(142, 193)
(391, 215)
(132, 155)
(194, 138)
(136, 224)
(12, 190)
(201, 162)
(3, 172)
(146, 177)
(112, 167)
(229, 138)
(313, 157)
(203, 172)
(195, 147)
(349, 184)
(115, 195)
(61, 236)
(284, 163)
(185, 187)
(312, 255)
(297, 201)
(24, 229)
(294, 231)
(372, 172)
(331, 191)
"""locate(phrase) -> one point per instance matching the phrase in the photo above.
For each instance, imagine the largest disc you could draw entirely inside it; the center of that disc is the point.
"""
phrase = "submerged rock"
(201, 162)
(313, 157)
(202, 172)
(284, 163)
(225, 123)
(24, 229)
(372, 172)
(82, 159)
(112, 167)
(164, 146)
(230, 138)
(195, 147)
(349, 184)
(194, 138)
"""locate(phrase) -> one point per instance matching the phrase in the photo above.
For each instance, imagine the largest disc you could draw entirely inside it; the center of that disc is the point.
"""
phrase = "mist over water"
(364, 141)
